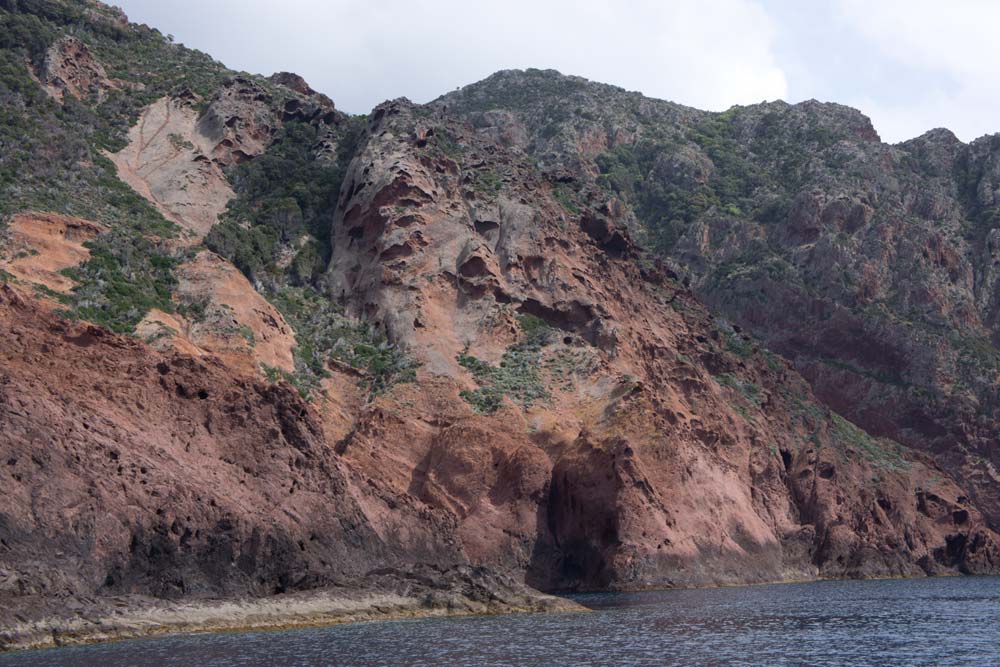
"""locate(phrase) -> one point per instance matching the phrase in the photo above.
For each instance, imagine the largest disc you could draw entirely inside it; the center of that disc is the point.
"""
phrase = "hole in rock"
(484, 227)
(786, 458)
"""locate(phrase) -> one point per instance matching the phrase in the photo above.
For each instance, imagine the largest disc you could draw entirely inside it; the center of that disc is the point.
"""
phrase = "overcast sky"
(910, 65)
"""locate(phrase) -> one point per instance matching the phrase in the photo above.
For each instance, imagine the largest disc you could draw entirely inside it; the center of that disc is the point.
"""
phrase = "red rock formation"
(125, 470)
(239, 121)
(296, 83)
(578, 417)
(666, 450)
(41, 245)
(70, 69)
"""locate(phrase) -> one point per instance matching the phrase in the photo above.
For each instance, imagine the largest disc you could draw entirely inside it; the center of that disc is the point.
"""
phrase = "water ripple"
(913, 623)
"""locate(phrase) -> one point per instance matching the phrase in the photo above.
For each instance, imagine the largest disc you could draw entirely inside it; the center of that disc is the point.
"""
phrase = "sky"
(910, 65)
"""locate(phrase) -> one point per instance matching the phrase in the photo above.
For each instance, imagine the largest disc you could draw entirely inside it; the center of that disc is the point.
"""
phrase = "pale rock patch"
(166, 162)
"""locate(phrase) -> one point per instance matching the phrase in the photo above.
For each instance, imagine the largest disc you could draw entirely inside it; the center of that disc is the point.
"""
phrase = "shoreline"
(122, 618)
(769, 582)
(117, 618)
(56, 633)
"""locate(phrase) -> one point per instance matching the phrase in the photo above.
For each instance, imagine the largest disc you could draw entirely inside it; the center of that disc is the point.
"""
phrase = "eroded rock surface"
(173, 476)
(170, 163)
(40, 245)
(70, 69)
(655, 448)
(222, 315)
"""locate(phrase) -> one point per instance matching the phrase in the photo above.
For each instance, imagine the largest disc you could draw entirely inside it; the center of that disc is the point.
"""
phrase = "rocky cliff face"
(528, 326)
(634, 411)
(870, 267)
(130, 471)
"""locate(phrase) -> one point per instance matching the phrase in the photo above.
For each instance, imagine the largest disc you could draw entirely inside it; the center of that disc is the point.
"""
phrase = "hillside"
(589, 340)
(870, 267)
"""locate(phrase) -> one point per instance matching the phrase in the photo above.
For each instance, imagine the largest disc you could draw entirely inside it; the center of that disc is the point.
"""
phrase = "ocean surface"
(895, 623)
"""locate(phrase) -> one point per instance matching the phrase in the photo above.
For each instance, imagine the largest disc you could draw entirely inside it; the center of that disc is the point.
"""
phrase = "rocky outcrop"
(220, 314)
(39, 246)
(239, 122)
(176, 158)
(577, 420)
(645, 444)
(171, 163)
(296, 83)
(70, 69)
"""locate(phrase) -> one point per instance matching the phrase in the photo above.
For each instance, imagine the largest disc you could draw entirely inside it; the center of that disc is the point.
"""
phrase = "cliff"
(252, 345)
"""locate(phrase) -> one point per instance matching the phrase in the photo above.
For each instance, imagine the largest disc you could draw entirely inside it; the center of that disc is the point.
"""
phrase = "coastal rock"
(383, 594)
(130, 471)
(539, 330)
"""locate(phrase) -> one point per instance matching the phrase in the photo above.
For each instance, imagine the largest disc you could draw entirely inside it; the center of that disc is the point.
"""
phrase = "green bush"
(566, 198)
(487, 182)
(281, 195)
(126, 275)
(665, 209)
(323, 332)
(517, 376)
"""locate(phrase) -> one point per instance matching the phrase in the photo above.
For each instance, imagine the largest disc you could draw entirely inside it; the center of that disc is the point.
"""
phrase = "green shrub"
(247, 334)
(281, 195)
(126, 275)
(738, 345)
(749, 390)
(518, 374)
(534, 327)
(565, 196)
(487, 181)
(323, 332)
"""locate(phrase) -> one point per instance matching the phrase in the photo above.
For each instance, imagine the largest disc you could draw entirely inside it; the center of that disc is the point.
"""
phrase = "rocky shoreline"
(389, 594)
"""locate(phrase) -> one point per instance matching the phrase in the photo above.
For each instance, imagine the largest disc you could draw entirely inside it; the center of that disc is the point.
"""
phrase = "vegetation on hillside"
(517, 376)
(52, 153)
(324, 333)
(284, 205)
(276, 230)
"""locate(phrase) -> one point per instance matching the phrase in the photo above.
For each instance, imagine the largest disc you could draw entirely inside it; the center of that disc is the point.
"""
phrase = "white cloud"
(953, 48)
(708, 54)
